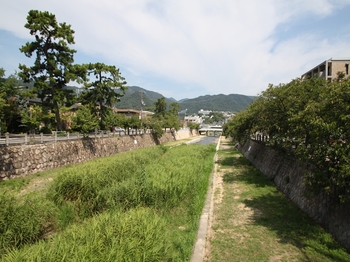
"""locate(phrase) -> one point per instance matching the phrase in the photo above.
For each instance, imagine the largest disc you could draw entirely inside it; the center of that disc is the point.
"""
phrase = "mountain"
(132, 98)
(232, 102)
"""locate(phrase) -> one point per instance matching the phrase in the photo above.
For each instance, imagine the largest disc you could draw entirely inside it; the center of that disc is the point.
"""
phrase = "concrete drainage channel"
(194, 141)
(205, 221)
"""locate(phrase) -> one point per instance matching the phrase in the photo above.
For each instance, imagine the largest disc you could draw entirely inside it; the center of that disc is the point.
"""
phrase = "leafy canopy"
(53, 60)
(309, 119)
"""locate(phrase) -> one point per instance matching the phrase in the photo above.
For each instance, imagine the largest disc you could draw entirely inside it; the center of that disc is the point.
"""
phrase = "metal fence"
(11, 139)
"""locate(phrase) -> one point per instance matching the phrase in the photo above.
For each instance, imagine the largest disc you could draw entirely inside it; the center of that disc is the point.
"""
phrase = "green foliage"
(11, 102)
(132, 122)
(160, 107)
(136, 235)
(132, 98)
(53, 63)
(105, 89)
(33, 116)
(214, 117)
(156, 127)
(85, 120)
(163, 118)
(193, 126)
(111, 119)
(231, 103)
(170, 121)
(22, 222)
(126, 207)
(174, 108)
(308, 119)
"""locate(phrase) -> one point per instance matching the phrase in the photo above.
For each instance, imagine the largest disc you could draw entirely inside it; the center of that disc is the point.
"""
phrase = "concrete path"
(199, 248)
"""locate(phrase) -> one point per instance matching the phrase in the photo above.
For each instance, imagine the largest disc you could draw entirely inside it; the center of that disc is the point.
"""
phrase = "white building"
(194, 119)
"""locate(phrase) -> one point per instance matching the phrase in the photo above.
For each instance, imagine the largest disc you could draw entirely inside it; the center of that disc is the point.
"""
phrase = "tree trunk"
(58, 117)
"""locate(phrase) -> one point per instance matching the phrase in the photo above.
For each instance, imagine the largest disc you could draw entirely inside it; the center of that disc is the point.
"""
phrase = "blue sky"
(188, 48)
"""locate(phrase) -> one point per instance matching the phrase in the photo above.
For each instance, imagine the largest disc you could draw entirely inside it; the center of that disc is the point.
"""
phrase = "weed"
(127, 207)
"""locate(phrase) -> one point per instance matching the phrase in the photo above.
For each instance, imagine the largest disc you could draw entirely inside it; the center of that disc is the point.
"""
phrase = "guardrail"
(10, 139)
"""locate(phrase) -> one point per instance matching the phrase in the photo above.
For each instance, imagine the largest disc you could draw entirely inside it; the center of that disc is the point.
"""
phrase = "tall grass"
(142, 205)
(23, 222)
(136, 235)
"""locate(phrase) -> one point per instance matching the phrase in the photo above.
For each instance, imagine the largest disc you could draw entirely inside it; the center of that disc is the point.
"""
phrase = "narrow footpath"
(246, 218)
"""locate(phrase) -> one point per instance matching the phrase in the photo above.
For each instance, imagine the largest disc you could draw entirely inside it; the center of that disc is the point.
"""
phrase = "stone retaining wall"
(23, 160)
(287, 174)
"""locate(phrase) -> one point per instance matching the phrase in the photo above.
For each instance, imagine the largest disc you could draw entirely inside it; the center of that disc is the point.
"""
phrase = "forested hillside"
(132, 98)
(232, 102)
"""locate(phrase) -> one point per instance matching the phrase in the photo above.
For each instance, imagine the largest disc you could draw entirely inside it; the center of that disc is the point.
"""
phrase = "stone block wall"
(23, 160)
(287, 174)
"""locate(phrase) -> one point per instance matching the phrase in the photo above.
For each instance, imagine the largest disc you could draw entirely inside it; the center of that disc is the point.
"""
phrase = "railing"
(10, 139)
(260, 137)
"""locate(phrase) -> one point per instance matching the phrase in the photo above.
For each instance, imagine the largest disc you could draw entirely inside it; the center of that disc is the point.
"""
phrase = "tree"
(160, 107)
(53, 62)
(214, 117)
(32, 117)
(171, 118)
(163, 118)
(84, 120)
(309, 120)
(111, 119)
(193, 126)
(106, 88)
(11, 102)
(131, 122)
(174, 108)
(170, 121)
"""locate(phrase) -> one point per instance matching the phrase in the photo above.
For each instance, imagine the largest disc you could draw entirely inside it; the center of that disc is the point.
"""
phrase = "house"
(329, 69)
(204, 113)
(194, 119)
(132, 112)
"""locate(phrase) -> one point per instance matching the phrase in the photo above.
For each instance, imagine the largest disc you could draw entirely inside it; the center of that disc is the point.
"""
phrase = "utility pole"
(142, 105)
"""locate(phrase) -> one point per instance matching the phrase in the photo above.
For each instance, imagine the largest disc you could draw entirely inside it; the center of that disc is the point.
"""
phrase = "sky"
(190, 48)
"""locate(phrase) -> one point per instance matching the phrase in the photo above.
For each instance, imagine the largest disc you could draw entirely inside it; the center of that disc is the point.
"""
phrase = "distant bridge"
(210, 130)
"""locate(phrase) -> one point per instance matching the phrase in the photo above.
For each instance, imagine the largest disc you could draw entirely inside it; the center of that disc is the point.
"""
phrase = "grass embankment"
(142, 205)
(253, 221)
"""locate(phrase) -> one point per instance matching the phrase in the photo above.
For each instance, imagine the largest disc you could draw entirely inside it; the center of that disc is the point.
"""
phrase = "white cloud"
(223, 46)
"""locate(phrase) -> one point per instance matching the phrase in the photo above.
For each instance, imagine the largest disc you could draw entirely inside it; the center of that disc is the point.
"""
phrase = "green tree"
(170, 121)
(85, 120)
(160, 107)
(103, 89)
(193, 126)
(310, 120)
(214, 117)
(53, 61)
(32, 117)
(163, 118)
(12, 100)
(131, 122)
(156, 126)
(111, 119)
(174, 108)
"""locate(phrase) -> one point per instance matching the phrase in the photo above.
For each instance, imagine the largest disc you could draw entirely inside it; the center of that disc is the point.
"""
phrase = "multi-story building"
(194, 119)
(329, 69)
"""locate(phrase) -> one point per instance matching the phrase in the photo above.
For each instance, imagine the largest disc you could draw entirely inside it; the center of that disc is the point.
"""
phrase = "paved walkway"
(205, 219)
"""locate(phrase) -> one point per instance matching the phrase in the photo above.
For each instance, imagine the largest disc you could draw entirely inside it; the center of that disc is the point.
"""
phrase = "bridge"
(210, 130)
